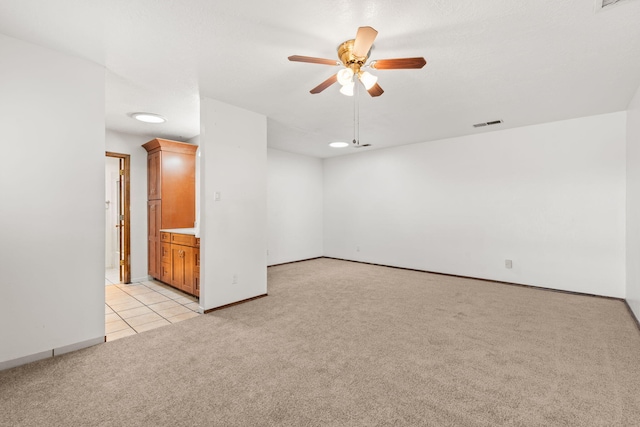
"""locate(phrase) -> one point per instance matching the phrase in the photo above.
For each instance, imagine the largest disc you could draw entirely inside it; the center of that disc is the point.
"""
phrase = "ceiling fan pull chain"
(356, 114)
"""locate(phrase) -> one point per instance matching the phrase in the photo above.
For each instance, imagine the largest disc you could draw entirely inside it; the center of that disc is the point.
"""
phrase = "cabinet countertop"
(191, 231)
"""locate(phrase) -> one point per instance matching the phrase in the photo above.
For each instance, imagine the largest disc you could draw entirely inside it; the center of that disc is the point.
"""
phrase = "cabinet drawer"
(165, 253)
(165, 237)
(183, 239)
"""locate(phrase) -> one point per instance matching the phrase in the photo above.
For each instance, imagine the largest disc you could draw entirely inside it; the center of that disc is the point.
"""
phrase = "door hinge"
(121, 171)
(121, 217)
(121, 262)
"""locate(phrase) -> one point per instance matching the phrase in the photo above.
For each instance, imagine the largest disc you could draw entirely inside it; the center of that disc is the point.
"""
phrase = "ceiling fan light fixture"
(338, 144)
(347, 89)
(345, 76)
(368, 79)
(148, 117)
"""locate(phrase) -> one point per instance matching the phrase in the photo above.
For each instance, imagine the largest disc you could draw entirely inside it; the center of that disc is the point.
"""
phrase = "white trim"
(8, 364)
(77, 346)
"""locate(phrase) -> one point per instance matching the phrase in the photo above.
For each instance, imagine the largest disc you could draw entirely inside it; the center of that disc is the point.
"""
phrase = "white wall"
(123, 143)
(52, 202)
(233, 229)
(633, 204)
(294, 207)
(549, 197)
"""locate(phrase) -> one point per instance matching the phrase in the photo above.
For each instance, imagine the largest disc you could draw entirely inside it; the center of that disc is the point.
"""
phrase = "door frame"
(125, 230)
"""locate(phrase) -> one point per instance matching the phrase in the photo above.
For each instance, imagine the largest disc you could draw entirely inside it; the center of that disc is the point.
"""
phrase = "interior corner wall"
(549, 197)
(633, 204)
(52, 202)
(294, 207)
(196, 141)
(233, 204)
(123, 143)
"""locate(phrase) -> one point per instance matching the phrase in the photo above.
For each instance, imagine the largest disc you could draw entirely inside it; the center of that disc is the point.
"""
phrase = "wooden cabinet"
(171, 192)
(180, 262)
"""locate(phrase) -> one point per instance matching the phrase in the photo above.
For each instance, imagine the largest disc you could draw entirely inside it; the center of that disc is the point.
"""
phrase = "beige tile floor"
(139, 307)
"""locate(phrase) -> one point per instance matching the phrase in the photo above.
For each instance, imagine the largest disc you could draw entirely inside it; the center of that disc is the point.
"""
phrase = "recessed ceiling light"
(339, 144)
(148, 117)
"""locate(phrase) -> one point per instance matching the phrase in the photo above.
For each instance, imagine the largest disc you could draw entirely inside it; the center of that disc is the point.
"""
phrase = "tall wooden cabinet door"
(188, 284)
(196, 272)
(155, 245)
(182, 264)
(154, 178)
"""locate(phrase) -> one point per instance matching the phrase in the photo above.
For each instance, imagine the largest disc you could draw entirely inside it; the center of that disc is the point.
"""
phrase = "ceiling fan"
(353, 55)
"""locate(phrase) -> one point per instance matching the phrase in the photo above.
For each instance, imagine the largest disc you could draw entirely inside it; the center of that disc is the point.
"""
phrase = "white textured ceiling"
(521, 61)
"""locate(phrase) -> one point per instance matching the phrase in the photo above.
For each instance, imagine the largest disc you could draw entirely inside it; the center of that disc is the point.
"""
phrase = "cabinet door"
(165, 272)
(165, 262)
(153, 220)
(165, 253)
(178, 190)
(196, 272)
(154, 182)
(182, 264)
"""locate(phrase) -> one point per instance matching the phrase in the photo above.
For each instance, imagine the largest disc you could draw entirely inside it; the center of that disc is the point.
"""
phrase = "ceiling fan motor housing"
(345, 53)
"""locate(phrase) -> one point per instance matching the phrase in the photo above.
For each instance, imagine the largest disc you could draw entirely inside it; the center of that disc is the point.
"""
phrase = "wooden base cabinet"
(181, 262)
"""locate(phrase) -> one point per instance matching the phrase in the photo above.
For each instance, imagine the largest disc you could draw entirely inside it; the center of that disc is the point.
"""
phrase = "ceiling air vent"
(479, 125)
(602, 4)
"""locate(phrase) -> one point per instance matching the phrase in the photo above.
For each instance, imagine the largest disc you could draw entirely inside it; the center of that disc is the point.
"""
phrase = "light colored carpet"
(344, 344)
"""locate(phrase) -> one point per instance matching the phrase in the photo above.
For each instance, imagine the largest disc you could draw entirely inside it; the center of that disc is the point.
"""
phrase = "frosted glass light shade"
(148, 117)
(368, 79)
(338, 144)
(347, 89)
(345, 76)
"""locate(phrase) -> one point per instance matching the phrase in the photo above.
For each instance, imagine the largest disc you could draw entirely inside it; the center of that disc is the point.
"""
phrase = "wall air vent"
(495, 122)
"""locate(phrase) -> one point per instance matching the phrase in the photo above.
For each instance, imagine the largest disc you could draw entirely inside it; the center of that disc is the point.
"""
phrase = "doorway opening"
(117, 218)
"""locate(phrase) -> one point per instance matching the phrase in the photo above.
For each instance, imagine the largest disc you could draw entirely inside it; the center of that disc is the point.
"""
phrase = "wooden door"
(154, 218)
(120, 220)
(154, 182)
(123, 222)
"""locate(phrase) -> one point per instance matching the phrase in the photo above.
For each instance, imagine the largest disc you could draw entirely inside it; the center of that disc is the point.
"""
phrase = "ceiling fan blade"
(325, 84)
(364, 41)
(375, 90)
(313, 60)
(399, 63)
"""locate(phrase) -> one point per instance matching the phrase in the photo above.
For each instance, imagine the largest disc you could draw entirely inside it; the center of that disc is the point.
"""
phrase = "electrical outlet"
(508, 263)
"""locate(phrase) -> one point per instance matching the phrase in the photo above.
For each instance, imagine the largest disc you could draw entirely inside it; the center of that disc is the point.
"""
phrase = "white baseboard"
(77, 346)
(8, 364)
